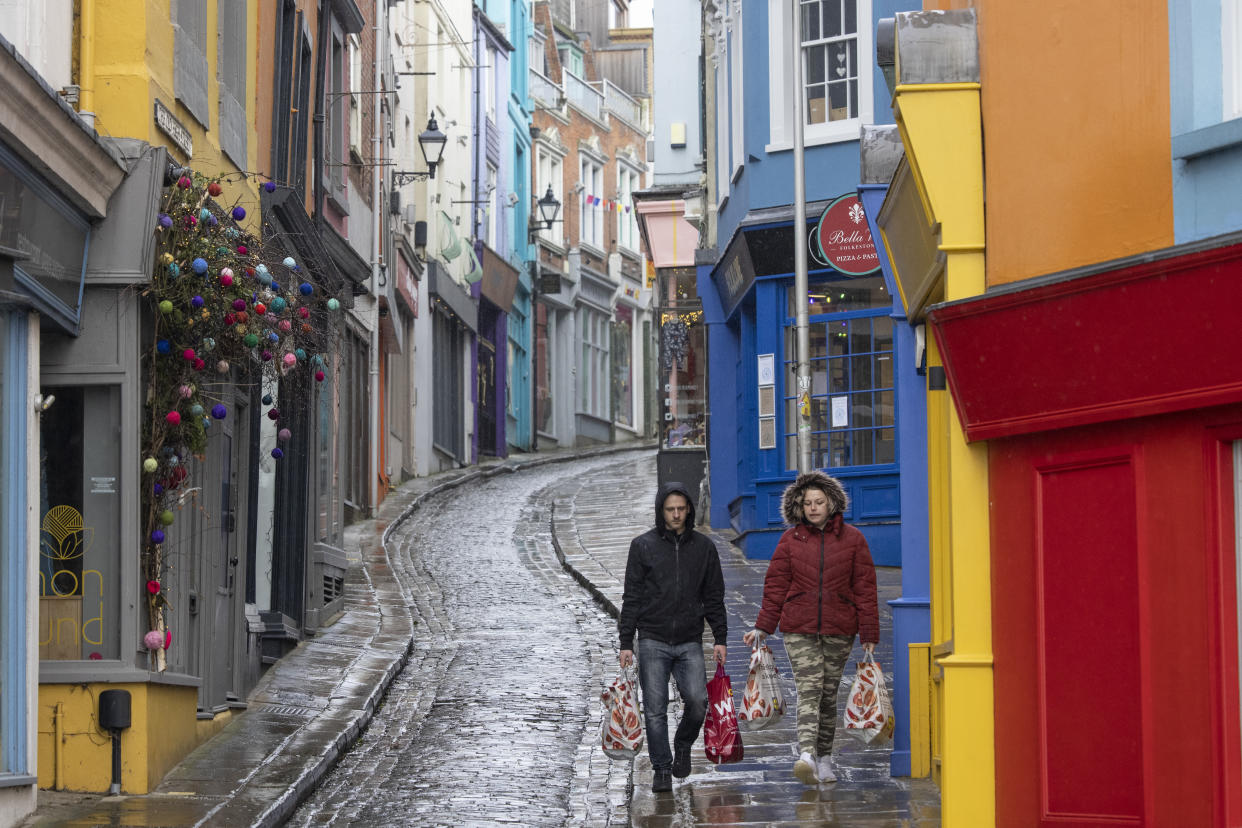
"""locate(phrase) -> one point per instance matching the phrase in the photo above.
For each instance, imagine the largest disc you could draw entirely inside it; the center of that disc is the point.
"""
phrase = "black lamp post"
(549, 206)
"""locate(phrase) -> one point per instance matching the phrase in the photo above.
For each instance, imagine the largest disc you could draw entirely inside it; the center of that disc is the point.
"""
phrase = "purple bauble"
(239, 213)
(219, 411)
(277, 453)
(157, 536)
(270, 186)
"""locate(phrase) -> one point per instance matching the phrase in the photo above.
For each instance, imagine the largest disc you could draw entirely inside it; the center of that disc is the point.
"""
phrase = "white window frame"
(549, 172)
(780, 79)
(721, 125)
(488, 81)
(354, 47)
(1231, 59)
(593, 372)
(591, 216)
(628, 180)
(737, 96)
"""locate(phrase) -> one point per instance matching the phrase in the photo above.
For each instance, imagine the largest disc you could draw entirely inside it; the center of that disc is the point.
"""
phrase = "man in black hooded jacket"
(673, 583)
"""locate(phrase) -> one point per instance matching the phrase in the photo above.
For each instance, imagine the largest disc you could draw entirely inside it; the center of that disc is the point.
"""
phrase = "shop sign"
(842, 239)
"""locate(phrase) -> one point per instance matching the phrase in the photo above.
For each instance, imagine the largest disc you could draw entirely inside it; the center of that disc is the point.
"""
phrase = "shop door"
(225, 623)
(487, 397)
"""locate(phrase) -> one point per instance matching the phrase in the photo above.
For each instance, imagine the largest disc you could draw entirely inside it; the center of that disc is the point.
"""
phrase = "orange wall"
(1075, 106)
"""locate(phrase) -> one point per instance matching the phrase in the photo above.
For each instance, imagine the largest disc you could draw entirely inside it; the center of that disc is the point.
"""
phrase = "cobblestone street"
(490, 722)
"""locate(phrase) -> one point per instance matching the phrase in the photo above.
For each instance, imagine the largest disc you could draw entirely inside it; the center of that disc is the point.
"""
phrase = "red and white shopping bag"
(869, 711)
(722, 741)
(762, 703)
(621, 732)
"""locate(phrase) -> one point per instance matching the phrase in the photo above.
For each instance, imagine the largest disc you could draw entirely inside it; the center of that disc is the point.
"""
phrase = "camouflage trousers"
(818, 661)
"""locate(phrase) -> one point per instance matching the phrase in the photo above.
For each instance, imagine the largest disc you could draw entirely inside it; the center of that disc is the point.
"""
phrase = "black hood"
(663, 492)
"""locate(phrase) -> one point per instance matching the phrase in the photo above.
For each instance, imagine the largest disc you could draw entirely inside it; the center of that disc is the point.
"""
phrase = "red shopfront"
(1111, 398)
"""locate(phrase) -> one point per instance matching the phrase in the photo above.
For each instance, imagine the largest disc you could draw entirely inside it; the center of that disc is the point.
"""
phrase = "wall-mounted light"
(432, 142)
(43, 403)
(549, 206)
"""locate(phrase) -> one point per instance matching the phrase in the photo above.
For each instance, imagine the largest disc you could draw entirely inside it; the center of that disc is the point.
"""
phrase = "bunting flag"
(627, 208)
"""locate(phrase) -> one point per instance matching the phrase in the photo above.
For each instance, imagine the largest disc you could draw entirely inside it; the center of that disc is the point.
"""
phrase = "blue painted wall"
(1206, 147)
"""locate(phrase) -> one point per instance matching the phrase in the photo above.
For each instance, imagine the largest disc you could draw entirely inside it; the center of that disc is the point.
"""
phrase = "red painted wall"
(1114, 623)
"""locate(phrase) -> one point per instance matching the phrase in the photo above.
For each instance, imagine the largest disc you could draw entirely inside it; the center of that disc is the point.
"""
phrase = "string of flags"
(607, 203)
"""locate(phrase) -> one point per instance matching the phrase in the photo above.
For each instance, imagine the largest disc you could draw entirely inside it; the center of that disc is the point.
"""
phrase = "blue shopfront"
(858, 369)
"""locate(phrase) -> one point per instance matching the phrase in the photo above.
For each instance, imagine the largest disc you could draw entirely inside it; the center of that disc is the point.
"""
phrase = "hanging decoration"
(212, 294)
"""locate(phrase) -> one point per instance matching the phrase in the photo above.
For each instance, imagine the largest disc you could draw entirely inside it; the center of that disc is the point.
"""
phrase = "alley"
(486, 722)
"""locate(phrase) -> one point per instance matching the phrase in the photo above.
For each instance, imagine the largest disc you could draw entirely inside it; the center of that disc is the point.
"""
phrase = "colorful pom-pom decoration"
(199, 364)
(274, 414)
(289, 360)
(173, 418)
(200, 265)
(186, 391)
(157, 489)
(184, 182)
(334, 304)
(196, 410)
(251, 340)
(306, 288)
(153, 640)
(167, 639)
(270, 186)
(319, 375)
(226, 276)
(219, 411)
(157, 536)
(260, 308)
(301, 355)
(283, 435)
(278, 305)
(166, 307)
(222, 367)
(164, 347)
(166, 517)
(197, 301)
(153, 587)
(209, 344)
(278, 453)
(266, 355)
(304, 312)
(204, 214)
(290, 263)
(165, 220)
(188, 354)
(273, 337)
(150, 465)
(239, 213)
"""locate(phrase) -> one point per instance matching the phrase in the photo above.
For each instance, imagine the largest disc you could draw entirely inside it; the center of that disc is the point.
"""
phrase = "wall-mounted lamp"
(431, 141)
(549, 206)
(43, 403)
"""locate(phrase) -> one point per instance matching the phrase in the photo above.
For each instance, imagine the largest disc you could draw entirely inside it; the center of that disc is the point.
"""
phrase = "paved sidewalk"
(594, 520)
(309, 707)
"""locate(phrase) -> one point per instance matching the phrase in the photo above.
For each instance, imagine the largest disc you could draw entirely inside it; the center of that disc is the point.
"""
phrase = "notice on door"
(840, 412)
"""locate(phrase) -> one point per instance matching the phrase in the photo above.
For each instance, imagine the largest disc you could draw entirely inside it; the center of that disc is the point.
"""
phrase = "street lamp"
(549, 206)
(431, 141)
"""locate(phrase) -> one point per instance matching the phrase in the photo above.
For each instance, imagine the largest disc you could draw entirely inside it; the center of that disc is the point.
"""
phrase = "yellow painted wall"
(164, 729)
(1076, 124)
(133, 66)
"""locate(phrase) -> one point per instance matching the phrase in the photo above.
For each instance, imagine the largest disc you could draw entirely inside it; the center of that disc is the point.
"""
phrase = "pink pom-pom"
(153, 640)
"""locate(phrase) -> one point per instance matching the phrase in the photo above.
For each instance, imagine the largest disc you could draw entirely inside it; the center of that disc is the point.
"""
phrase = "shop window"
(683, 367)
(593, 367)
(79, 523)
(852, 383)
(622, 367)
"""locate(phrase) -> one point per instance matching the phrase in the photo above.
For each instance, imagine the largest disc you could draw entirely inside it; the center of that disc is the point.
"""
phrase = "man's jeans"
(656, 661)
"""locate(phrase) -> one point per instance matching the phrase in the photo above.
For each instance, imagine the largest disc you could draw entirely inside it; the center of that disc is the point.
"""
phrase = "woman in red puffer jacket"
(820, 592)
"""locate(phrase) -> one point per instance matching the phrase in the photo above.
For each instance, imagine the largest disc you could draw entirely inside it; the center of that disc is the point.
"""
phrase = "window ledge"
(14, 780)
(1225, 135)
(835, 137)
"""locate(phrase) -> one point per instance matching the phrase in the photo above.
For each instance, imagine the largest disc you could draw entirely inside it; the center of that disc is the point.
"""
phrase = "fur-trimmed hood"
(791, 500)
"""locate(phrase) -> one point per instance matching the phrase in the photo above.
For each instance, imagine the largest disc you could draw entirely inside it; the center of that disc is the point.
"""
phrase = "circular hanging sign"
(842, 238)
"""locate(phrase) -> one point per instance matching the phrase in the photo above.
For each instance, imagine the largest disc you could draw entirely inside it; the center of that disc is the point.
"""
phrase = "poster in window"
(767, 433)
(840, 412)
(767, 401)
(767, 369)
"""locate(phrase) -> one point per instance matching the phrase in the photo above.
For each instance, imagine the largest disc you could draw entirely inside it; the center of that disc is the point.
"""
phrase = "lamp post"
(548, 206)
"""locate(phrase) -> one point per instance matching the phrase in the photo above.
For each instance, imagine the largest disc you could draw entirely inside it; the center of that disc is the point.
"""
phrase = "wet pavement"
(461, 687)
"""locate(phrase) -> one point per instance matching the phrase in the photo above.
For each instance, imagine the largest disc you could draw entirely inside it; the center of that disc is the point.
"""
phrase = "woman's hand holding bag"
(869, 711)
(763, 703)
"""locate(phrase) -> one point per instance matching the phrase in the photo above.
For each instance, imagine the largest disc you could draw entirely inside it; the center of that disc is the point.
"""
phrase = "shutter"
(190, 57)
(232, 30)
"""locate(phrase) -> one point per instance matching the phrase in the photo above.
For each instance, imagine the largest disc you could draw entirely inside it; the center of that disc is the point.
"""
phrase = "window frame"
(591, 216)
(1231, 59)
(629, 179)
(781, 108)
(549, 171)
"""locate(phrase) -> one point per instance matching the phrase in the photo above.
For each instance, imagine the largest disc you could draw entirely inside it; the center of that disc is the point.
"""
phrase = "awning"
(451, 296)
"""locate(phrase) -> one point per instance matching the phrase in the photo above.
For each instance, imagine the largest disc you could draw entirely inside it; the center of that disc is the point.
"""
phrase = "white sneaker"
(804, 769)
(823, 769)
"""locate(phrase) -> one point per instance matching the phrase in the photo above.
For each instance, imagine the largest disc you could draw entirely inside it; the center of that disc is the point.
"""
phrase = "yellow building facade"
(181, 76)
(933, 227)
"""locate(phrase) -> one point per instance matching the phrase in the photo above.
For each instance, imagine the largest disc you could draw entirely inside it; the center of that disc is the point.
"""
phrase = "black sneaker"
(661, 782)
(681, 761)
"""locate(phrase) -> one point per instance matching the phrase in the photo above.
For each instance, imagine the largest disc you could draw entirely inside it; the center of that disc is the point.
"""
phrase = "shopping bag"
(869, 712)
(762, 703)
(722, 740)
(621, 732)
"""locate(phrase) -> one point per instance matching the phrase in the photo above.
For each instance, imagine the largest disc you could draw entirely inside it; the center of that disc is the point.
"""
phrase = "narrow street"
(490, 722)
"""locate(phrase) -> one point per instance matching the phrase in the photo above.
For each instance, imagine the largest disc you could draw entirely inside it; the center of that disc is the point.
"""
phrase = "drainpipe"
(58, 747)
(86, 63)
(376, 228)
